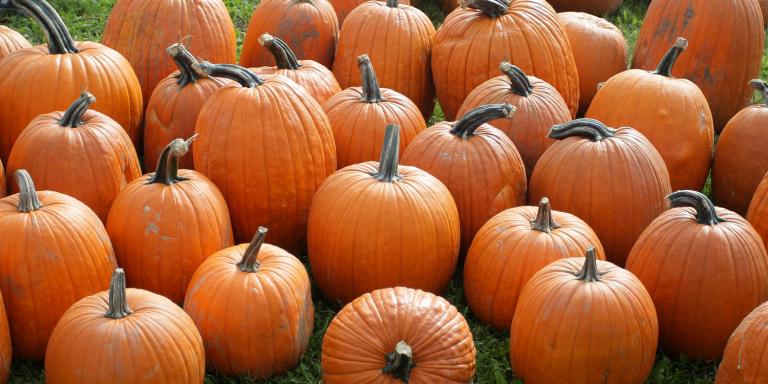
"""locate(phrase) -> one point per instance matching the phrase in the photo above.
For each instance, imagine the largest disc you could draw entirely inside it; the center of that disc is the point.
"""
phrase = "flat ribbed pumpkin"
(595, 7)
(10, 41)
(697, 262)
(377, 225)
(164, 224)
(253, 306)
(398, 335)
(745, 359)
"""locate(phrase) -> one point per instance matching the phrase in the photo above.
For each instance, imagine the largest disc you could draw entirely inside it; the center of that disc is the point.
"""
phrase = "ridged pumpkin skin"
(309, 27)
(253, 307)
(720, 66)
(584, 321)
(510, 248)
(745, 360)
(5, 344)
(672, 113)
(398, 39)
(156, 343)
(539, 107)
(141, 29)
(344, 7)
(477, 162)
(357, 341)
(614, 180)
(87, 156)
(50, 258)
(10, 41)
(694, 267)
(470, 45)
(758, 210)
(599, 49)
(377, 225)
(595, 7)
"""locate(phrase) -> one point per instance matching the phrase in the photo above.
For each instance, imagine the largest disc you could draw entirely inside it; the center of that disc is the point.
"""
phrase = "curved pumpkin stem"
(237, 73)
(249, 262)
(167, 171)
(118, 302)
(473, 119)
(185, 61)
(669, 59)
(491, 8)
(589, 272)
(400, 362)
(762, 87)
(705, 210)
(588, 128)
(521, 85)
(390, 153)
(59, 40)
(73, 116)
(28, 200)
(284, 56)
(371, 90)
(544, 221)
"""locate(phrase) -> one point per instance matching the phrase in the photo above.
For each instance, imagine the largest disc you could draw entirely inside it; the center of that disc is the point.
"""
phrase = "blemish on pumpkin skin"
(151, 227)
(687, 17)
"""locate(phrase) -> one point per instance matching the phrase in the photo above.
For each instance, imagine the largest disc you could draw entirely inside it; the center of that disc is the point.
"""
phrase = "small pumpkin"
(10, 41)
(594, 7)
(744, 357)
(395, 335)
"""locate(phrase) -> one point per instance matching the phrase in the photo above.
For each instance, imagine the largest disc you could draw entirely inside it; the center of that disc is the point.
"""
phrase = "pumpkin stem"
(73, 116)
(705, 210)
(118, 302)
(234, 72)
(390, 152)
(28, 200)
(491, 8)
(521, 85)
(762, 87)
(544, 221)
(59, 39)
(371, 90)
(473, 119)
(589, 272)
(249, 262)
(399, 362)
(184, 60)
(284, 56)
(392, 3)
(589, 128)
(669, 59)
(167, 171)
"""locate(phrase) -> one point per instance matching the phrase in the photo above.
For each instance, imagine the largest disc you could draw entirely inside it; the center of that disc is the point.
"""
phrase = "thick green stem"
(400, 362)
(669, 59)
(371, 90)
(705, 210)
(237, 73)
(118, 302)
(185, 61)
(59, 40)
(491, 8)
(544, 221)
(167, 171)
(762, 87)
(284, 56)
(390, 153)
(588, 128)
(28, 200)
(73, 116)
(249, 262)
(475, 118)
(589, 272)
(521, 85)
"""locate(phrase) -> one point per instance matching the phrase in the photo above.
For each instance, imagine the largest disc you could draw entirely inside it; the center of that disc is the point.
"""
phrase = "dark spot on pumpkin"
(687, 17)
(663, 28)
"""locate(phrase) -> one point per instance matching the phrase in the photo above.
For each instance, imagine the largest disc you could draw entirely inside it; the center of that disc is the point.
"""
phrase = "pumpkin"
(740, 156)
(473, 41)
(583, 320)
(510, 248)
(757, 214)
(79, 152)
(672, 113)
(125, 336)
(344, 7)
(29, 75)
(5, 344)
(539, 107)
(595, 7)
(163, 225)
(402, 54)
(719, 66)
(141, 29)
(599, 49)
(696, 262)
(267, 144)
(614, 179)
(458, 154)
(273, 313)
(175, 104)
(395, 335)
(53, 252)
(377, 225)
(359, 116)
(10, 41)
(309, 27)
(744, 359)
(313, 76)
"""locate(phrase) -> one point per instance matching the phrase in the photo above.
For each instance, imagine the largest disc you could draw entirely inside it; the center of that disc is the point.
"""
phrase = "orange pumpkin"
(595, 7)
(614, 179)
(10, 41)
(510, 248)
(274, 311)
(672, 113)
(696, 262)
(472, 41)
(584, 321)
(163, 225)
(396, 335)
(125, 336)
(458, 154)
(53, 252)
(377, 225)
(539, 107)
(5, 344)
(745, 359)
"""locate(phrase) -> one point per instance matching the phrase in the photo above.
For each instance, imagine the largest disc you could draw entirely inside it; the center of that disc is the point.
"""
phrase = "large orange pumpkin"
(726, 39)
(745, 359)
(267, 144)
(473, 41)
(163, 225)
(595, 7)
(125, 336)
(477, 162)
(141, 29)
(10, 41)
(697, 262)
(79, 152)
(583, 321)
(672, 113)
(611, 178)
(273, 310)
(398, 335)
(377, 225)
(53, 252)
